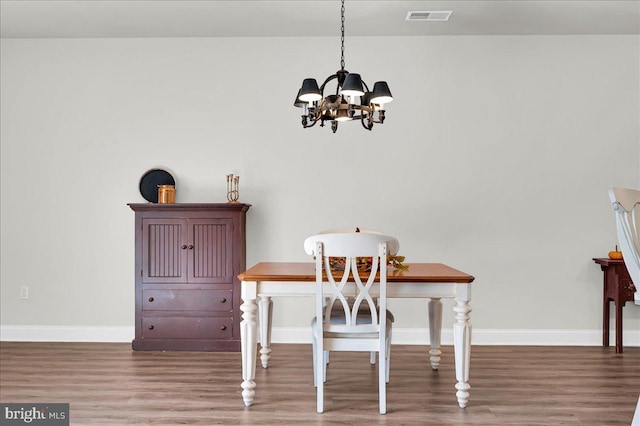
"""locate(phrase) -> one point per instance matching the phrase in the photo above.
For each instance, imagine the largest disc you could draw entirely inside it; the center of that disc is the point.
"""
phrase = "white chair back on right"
(362, 325)
(626, 204)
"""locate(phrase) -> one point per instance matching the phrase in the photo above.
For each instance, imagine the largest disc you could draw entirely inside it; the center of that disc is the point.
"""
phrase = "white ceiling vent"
(439, 15)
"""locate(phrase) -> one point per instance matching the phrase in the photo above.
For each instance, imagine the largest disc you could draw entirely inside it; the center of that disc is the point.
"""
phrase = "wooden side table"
(619, 288)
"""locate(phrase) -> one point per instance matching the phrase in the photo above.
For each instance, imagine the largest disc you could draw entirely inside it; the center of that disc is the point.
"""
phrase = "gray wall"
(495, 158)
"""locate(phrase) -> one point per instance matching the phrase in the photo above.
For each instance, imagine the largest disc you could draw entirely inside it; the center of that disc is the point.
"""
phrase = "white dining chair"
(394, 250)
(347, 316)
(626, 204)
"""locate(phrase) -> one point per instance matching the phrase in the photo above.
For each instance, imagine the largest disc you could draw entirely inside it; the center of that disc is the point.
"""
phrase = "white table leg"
(265, 311)
(248, 340)
(435, 328)
(462, 343)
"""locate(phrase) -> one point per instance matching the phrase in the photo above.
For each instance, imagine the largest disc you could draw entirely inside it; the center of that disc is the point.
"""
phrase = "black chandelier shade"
(352, 99)
(381, 93)
(310, 92)
(352, 85)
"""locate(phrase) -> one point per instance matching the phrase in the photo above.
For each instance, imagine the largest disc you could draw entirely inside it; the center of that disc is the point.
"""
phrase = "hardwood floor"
(107, 383)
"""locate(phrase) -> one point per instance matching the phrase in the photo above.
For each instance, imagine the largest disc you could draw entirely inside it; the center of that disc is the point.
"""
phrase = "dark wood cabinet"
(187, 292)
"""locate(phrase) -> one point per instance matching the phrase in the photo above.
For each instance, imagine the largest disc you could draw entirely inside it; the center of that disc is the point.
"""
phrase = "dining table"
(429, 281)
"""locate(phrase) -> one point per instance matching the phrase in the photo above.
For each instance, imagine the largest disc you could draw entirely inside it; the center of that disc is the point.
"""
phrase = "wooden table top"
(306, 272)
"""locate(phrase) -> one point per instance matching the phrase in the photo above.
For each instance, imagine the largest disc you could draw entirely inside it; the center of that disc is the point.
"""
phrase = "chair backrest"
(365, 269)
(626, 204)
(392, 247)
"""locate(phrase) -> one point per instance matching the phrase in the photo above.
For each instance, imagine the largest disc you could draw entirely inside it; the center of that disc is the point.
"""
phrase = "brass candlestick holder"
(232, 188)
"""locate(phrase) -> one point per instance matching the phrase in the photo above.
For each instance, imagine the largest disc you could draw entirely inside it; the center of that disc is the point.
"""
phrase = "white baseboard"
(49, 333)
(401, 336)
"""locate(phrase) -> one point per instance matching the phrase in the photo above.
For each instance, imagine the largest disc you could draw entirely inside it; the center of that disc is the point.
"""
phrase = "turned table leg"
(249, 342)
(435, 331)
(462, 344)
(265, 311)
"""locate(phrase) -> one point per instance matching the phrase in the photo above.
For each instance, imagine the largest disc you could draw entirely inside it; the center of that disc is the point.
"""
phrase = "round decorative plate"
(149, 183)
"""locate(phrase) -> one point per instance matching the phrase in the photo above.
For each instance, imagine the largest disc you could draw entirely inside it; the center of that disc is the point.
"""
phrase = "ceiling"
(293, 18)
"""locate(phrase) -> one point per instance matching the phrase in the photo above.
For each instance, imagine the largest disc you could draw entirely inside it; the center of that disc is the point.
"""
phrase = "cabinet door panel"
(164, 253)
(211, 257)
(187, 300)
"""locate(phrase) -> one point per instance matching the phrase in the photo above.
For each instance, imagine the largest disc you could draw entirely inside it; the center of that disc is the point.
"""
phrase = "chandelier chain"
(342, 36)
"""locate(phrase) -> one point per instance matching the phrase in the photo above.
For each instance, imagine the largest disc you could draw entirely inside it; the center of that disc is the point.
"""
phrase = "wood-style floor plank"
(109, 384)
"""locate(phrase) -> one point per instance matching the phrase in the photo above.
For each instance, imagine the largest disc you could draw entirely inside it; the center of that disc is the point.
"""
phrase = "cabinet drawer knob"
(190, 247)
(183, 247)
(151, 299)
(224, 327)
(151, 327)
(223, 300)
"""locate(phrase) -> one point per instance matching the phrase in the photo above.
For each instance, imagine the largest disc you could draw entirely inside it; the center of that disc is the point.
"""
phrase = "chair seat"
(364, 314)
(360, 320)
(364, 317)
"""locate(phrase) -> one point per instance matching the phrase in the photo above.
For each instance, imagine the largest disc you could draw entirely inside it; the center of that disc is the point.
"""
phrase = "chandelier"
(352, 99)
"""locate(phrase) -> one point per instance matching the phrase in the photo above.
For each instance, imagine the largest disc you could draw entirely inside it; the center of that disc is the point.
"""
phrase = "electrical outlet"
(24, 292)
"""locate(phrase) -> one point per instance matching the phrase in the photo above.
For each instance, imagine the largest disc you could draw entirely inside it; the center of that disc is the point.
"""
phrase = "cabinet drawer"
(187, 300)
(187, 328)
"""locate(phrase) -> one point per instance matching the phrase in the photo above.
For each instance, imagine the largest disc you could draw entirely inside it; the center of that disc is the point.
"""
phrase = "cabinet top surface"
(188, 206)
(605, 261)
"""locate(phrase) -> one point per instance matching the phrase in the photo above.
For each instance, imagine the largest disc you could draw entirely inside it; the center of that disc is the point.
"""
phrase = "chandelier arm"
(315, 115)
(332, 77)
(363, 108)
(313, 123)
(367, 126)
